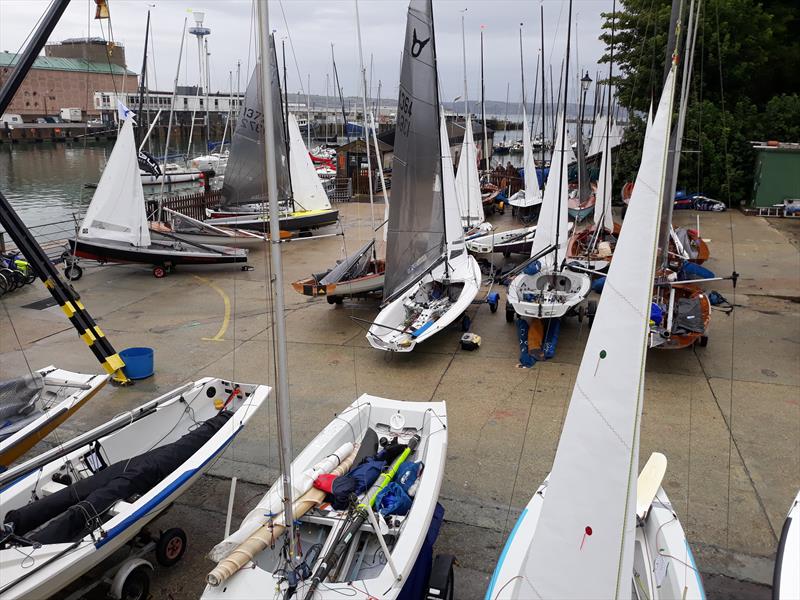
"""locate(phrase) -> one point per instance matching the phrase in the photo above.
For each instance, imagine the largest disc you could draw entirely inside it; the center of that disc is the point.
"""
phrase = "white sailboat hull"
(484, 245)
(660, 538)
(548, 295)
(63, 394)
(786, 582)
(40, 572)
(391, 331)
(523, 200)
(426, 419)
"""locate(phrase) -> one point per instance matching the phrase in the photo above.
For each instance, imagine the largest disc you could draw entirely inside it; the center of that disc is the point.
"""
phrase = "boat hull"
(540, 296)
(576, 249)
(157, 254)
(786, 578)
(297, 221)
(390, 331)
(247, 239)
(82, 388)
(426, 419)
(684, 340)
(41, 572)
(369, 285)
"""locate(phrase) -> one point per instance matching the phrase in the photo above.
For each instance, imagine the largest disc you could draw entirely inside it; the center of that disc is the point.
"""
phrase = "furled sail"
(117, 211)
(552, 227)
(583, 543)
(245, 179)
(468, 184)
(306, 186)
(416, 233)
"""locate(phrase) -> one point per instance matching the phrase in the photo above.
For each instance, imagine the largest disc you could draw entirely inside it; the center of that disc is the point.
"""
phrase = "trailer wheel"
(591, 311)
(466, 322)
(509, 313)
(73, 272)
(159, 272)
(136, 585)
(702, 341)
(171, 546)
(441, 582)
(493, 306)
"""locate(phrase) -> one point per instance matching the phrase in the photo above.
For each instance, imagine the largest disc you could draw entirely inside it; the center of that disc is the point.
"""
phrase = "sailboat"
(304, 205)
(593, 529)
(786, 576)
(530, 196)
(67, 510)
(430, 278)
(582, 198)
(33, 405)
(115, 227)
(468, 186)
(546, 288)
(294, 543)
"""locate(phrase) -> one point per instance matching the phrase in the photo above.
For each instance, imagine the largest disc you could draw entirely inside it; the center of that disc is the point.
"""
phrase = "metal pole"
(282, 374)
(144, 66)
(487, 151)
(366, 130)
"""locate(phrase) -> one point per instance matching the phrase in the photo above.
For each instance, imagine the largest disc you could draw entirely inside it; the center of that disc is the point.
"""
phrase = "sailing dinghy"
(592, 529)
(70, 508)
(786, 577)
(33, 405)
(468, 186)
(530, 196)
(304, 205)
(252, 562)
(547, 288)
(115, 227)
(430, 278)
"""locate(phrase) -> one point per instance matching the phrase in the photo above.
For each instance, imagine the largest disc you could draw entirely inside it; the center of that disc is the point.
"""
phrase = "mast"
(327, 88)
(285, 123)
(486, 150)
(208, 83)
(308, 113)
(466, 101)
(563, 136)
(553, 110)
(144, 71)
(281, 375)
(366, 129)
(522, 67)
(535, 93)
(341, 97)
(544, 144)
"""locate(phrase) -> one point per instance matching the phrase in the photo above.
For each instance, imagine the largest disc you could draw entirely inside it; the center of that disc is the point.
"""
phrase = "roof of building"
(79, 65)
(359, 144)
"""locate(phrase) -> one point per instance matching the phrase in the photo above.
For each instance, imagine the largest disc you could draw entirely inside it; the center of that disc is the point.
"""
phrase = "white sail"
(306, 186)
(117, 211)
(598, 141)
(531, 181)
(602, 206)
(583, 543)
(453, 230)
(553, 218)
(467, 180)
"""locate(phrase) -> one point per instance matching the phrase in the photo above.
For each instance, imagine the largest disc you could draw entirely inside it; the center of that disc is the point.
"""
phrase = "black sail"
(416, 232)
(245, 178)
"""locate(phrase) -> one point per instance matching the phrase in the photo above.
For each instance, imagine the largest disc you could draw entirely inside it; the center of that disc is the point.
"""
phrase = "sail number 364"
(404, 112)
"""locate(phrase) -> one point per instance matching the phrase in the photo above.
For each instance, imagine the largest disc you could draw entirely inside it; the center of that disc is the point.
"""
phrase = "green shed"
(777, 175)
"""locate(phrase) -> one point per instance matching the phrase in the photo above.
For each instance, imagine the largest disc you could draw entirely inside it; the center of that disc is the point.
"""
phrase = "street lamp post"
(586, 81)
(583, 176)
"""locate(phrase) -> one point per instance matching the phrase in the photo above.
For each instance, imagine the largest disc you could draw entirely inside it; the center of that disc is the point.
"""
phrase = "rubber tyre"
(3, 284)
(73, 272)
(466, 323)
(30, 276)
(702, 341)
(493, 306)
(509, 314)
(11, 281)
(137, 585)
(171, 546)
(159, 272)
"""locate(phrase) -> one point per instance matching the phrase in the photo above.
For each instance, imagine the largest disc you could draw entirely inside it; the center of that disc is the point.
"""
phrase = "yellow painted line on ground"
(226, 319)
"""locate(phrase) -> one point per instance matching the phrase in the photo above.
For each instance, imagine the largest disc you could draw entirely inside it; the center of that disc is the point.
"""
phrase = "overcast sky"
(314, 24)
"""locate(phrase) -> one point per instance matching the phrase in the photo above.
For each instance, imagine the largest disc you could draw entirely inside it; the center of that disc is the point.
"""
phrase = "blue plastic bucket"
(138, 362)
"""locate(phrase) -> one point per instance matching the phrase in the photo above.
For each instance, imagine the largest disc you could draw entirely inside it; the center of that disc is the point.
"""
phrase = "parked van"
(9, 120)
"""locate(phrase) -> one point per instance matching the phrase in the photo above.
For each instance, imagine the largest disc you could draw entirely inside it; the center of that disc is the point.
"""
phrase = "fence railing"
(191, 205)
(52, 237)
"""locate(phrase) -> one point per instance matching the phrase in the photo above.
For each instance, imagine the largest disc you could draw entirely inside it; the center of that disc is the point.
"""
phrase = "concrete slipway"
(727, 416)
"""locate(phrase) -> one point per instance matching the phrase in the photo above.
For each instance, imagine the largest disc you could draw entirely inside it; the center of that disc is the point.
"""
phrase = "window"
(185, 103)
(201, 102)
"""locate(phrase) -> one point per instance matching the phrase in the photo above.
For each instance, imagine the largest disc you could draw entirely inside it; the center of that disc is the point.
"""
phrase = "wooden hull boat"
(127, 471)
(685, 317)
(37, 404)
(251, 558)
(600, 257)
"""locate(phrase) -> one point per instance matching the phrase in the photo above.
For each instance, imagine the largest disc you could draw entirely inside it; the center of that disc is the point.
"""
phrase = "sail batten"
(117, 211)
(416, 231)
(583, 543)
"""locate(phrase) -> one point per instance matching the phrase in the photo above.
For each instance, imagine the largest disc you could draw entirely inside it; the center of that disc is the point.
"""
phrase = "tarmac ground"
(727, 416)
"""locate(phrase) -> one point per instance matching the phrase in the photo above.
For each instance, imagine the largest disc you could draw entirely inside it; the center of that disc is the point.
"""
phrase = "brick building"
(57, 82)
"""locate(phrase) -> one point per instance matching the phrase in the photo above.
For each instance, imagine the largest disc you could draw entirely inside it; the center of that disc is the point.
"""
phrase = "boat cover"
(18, 401)
(72, 512)
(689, 317)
